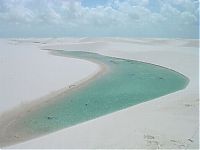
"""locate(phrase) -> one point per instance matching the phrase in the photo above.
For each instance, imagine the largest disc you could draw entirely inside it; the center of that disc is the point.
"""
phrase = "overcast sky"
(130, 18)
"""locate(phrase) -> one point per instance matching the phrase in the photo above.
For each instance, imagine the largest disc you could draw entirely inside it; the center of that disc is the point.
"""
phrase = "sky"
(98, 18)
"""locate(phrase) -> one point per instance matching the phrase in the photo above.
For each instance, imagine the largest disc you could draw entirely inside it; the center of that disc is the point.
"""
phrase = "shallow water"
(126, 83)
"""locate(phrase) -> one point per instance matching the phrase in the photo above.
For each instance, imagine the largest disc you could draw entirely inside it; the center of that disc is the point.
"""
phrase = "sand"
(29, 73)
(170, 121)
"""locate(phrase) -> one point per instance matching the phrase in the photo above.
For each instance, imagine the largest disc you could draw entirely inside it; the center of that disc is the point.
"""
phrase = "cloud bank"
(134, 18)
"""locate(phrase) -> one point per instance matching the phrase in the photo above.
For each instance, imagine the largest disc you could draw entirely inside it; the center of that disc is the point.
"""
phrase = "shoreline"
(28, 73)
(162, 108)
(173, 70)
(101, 70)
(9, 116)
(104, 67)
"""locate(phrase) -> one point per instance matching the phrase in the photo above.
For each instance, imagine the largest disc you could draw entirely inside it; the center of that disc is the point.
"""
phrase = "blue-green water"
(127, 83)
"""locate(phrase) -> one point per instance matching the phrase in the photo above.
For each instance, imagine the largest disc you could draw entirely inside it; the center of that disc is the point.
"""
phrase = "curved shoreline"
(177, 127)
(82, 83)
(101, 70)
(8, 117)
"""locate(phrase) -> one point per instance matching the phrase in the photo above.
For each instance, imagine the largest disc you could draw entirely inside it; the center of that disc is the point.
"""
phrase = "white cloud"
(118, 16)
(15, 12)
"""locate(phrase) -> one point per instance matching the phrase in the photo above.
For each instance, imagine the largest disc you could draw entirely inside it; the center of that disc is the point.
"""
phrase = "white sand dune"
(170, 121)
(27, 73)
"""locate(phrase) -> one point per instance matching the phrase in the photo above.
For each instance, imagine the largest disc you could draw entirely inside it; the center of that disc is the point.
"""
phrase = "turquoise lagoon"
(126, 83)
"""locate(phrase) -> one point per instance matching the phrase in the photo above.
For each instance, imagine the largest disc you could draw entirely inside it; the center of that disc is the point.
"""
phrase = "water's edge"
(124, 83)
